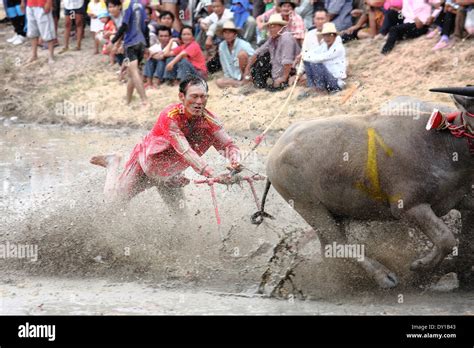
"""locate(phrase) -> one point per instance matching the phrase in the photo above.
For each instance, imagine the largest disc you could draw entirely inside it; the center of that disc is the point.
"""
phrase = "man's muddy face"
(320, 17)
(194, 100)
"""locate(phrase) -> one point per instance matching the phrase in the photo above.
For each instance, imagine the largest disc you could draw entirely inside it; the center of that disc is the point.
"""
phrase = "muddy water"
(145, 259)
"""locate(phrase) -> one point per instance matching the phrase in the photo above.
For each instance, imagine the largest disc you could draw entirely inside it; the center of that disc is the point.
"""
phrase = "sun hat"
(276, 19)
(329, 28)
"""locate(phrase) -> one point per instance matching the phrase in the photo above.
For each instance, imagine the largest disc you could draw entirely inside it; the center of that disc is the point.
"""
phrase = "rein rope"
(232, 178)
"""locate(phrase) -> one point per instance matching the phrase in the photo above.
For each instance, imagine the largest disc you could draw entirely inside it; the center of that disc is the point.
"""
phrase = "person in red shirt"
(188, 57)
(181, 135)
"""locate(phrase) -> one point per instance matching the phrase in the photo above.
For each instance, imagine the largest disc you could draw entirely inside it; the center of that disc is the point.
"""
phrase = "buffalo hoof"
(386, 280)
(429, 262)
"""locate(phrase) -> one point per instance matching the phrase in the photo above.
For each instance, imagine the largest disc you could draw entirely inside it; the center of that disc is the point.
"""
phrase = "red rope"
(461, 130)
(229, 181)
(214, 201)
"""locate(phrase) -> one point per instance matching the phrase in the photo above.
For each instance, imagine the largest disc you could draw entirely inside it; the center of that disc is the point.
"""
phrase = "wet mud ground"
(147, 259)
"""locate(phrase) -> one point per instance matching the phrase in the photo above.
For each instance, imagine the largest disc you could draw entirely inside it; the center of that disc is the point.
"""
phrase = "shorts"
(56, 8)
(119, 58)
(75, 11)
(135, 52)
(40, 24)
(14, 11)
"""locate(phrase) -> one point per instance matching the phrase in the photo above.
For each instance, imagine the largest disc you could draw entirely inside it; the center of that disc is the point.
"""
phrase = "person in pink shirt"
(286, 8)
(417, 18)
(188, 57)
(295, 22)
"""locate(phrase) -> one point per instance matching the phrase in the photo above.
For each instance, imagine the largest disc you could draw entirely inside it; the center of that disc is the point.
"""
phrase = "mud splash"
(52, 197)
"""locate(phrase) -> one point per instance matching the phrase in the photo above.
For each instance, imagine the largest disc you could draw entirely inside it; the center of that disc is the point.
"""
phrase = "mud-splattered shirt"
(178, 141)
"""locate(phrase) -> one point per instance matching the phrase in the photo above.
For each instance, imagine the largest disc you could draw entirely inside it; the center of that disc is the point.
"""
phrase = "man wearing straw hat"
(326, 68)
(283, 50)
(234, 55)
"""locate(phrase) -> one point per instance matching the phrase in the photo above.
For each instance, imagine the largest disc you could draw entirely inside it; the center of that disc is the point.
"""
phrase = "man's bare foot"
(51, 60)
(105, 160)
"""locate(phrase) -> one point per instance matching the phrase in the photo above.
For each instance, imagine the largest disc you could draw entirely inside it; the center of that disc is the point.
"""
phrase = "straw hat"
(329, 28)
(229, 25)
(276, 19)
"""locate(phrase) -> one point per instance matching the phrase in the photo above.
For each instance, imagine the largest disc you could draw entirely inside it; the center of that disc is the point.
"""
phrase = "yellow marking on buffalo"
(375, 191)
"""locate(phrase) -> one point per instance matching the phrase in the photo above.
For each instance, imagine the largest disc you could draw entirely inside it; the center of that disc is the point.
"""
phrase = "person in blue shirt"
(234, 54)
(134, 32)
(340, 13)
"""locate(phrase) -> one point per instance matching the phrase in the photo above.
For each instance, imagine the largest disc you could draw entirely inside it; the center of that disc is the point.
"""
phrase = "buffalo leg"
(437, 231)
(329, 231)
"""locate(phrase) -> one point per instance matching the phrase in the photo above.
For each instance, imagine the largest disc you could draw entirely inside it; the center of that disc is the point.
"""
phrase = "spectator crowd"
(259, 44)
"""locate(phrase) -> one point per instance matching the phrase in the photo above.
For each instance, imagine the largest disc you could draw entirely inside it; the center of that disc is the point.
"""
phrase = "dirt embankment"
(80, 88)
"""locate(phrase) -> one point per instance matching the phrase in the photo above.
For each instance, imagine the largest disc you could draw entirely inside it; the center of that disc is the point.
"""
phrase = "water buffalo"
(379, 167)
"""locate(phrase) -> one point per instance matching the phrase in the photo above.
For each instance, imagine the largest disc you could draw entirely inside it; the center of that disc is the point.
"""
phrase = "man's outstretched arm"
(225, 145)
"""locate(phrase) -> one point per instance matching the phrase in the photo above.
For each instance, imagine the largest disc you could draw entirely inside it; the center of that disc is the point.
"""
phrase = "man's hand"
(356, 12)
(47, 6)
(350, 30)
(297, 59)
(169, 66)
(278, 82)
(235, 166)
(208, 172)
(158, 56)
(209, 43)
(247, 77)
(204, 25)
(419, 24)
